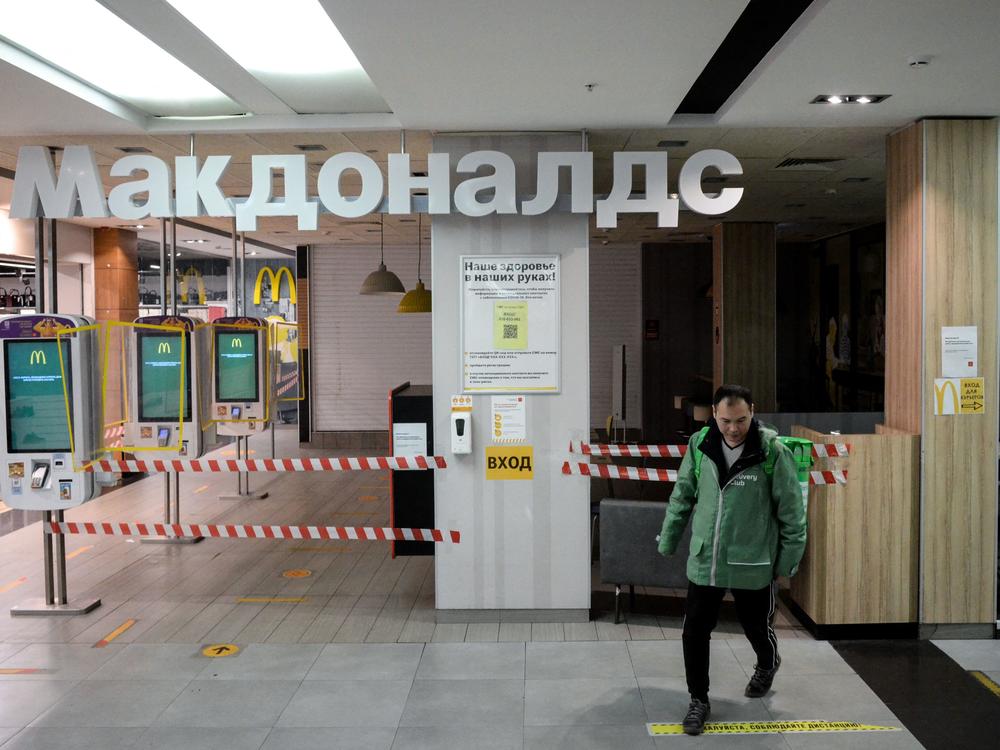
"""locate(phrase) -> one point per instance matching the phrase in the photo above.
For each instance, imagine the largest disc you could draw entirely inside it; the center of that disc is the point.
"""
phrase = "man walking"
(748, 527)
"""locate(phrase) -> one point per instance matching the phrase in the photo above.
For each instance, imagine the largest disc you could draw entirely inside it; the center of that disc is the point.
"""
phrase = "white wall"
(615, 318)
(360, 346)
(525, 544)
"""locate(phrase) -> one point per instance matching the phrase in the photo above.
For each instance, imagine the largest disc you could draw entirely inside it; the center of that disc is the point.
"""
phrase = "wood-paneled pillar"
(116, 297)
(743, 305)
(942, 188)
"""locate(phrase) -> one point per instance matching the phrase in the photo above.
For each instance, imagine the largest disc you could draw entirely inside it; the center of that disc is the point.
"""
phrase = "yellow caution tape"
(771, 727)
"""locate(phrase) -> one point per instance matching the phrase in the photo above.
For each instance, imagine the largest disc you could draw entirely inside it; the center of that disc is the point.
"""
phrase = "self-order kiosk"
(241, 376)
(50, 411)
(168, 361)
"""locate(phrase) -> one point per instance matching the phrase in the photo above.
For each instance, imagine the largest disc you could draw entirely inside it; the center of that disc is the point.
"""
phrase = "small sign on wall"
(510, 462)
(959, 396)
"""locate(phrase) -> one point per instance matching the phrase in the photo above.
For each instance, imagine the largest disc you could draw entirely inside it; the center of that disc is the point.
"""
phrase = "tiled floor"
(435, 695)
(352, 657)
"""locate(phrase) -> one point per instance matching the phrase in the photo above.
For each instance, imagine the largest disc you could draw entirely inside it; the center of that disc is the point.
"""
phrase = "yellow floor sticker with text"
(771, 727)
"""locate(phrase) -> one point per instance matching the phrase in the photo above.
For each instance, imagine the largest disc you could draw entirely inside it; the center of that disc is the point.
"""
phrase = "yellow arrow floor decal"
(771, 727)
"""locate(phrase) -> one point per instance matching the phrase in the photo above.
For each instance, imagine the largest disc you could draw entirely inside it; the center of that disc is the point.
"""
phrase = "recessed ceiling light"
(253, 252)
(311, 147)
(133, 149)
(293, 37)
(154, 266)
(139, 226)
(671, 144)
(850, 98)
(151, 79)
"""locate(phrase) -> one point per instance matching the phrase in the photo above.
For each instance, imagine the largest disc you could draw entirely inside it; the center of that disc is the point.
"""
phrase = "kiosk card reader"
(166, 353)
(49, 385)
(241, 375)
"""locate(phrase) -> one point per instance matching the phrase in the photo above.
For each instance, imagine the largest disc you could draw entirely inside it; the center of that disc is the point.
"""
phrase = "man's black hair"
(730, 393)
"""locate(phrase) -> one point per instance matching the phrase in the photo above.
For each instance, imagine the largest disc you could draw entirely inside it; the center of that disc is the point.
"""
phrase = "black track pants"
(755, 610)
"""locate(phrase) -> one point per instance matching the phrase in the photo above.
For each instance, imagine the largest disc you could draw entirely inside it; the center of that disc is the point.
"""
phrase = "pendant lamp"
(418, 299)
(382, 281)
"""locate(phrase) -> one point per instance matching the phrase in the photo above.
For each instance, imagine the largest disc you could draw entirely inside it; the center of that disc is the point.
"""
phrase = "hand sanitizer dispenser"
(461, 424)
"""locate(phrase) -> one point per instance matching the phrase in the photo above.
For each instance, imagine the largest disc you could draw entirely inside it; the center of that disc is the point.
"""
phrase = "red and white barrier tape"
(831, 450)
(636, 451)
(819, 450)
(286, 388)
(827, 477)
(249, 531)
(288, 375)
(609, 471)
(381, 463)
(114, 431)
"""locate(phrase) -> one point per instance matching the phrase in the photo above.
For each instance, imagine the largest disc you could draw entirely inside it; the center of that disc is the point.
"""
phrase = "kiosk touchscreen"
(168, 358)
(49, 388)
(240, 380)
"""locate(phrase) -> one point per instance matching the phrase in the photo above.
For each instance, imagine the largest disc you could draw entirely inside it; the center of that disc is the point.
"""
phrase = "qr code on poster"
(510, 330)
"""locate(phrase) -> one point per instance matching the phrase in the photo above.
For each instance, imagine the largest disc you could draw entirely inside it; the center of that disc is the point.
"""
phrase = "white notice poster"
(959, 351)
(510, 323)
(409, 439)
(509, 420)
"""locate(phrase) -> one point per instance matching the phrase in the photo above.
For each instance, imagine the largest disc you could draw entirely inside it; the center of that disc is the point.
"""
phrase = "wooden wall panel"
(904, 282)
(959, 519)
(744, 305)
(116, 297)
(860, 565)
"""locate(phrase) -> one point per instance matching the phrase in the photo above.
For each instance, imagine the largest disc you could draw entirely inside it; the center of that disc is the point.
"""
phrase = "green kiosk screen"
(160, 378)
(236, 366)
(36, 402)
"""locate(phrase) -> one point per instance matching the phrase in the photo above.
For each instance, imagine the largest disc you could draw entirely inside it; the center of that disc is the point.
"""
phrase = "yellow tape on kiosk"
(241, 371)
(167, 359)
(50, 416)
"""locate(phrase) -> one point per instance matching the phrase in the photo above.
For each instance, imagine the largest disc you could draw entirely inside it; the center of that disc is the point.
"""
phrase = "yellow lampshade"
(417, 300)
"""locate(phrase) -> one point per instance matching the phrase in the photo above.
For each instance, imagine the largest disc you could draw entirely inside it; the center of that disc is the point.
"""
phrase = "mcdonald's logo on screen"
(236, 343)
(275, 279)
(163, 348)
(38, 357)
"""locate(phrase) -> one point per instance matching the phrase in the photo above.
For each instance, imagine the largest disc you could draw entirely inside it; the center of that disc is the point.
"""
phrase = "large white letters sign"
(194, 190)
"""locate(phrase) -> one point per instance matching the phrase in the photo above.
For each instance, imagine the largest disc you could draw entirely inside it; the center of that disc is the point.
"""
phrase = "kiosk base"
(39, 608)
(171, 539)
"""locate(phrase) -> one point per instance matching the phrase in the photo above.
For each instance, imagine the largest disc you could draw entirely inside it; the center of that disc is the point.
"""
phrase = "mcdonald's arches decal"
(959, 396)
(275, 279)
(38, 357)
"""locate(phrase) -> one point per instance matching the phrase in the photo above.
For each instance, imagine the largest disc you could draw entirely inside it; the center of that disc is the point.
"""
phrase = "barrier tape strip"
(609, 471)
(636, 451)
(819, 450)
(288, 376)
(251, 531)
(827, 477)
(381, 463)
(286, 388)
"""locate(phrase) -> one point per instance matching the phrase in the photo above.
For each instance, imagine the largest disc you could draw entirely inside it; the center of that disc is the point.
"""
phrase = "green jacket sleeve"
(790, 512)
(679, 507)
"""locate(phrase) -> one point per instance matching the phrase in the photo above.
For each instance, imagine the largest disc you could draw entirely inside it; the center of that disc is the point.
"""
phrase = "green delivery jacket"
(747, 527)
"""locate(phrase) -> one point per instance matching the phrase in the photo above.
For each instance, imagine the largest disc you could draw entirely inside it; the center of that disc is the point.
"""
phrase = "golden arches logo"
(939, 394)
(275, 278)
(38, 357)
(163, 348)
(236, 343)
(184, 290)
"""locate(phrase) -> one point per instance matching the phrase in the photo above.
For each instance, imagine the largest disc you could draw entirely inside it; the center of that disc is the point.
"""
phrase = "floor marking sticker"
(115, 633)
(986, 682)
(79, 551)
(297, 573)
(18, 670)
(13, 584)
(271, 599)
(367, 498)
(201, 489)
(771, 727)
(217, 650)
